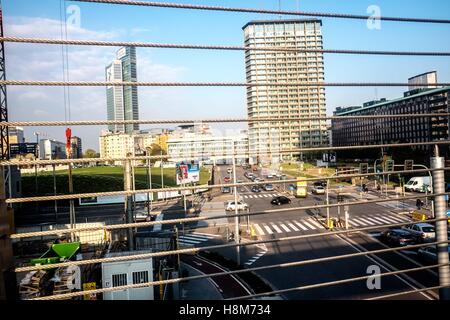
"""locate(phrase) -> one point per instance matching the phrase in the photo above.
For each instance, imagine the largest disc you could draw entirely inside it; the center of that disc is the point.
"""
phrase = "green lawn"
(98, 179)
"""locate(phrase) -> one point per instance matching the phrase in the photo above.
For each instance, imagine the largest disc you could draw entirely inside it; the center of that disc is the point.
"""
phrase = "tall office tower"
(266, 139)
(122, 101)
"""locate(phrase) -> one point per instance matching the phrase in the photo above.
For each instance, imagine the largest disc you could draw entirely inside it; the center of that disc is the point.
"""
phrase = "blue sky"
(113, 22)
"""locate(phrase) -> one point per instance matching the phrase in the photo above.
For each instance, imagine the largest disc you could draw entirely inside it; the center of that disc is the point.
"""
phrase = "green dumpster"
(57, 253)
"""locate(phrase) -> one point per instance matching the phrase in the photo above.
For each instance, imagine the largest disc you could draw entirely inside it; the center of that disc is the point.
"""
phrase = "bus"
(301, 191)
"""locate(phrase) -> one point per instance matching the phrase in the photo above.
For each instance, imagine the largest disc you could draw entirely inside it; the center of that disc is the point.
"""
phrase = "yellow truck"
(302, 186)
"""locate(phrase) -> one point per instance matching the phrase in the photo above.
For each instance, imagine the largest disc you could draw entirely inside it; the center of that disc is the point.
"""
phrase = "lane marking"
(366, 221)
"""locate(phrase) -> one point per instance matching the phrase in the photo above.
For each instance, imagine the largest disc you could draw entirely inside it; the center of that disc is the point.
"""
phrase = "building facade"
(209, 147)
(354, 132)
(119, 145)
(122, 101)
(77, 148)
(16, 135)
(266, 139)
(51, 149)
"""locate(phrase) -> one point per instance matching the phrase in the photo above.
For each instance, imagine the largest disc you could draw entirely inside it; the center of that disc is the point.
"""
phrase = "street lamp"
(149, 180)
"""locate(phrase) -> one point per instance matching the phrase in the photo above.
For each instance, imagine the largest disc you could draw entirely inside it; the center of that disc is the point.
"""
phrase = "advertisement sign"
(187, 172)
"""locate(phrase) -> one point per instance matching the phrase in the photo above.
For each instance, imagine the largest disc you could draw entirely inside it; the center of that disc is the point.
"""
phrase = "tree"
(156, 150)
(91, 153)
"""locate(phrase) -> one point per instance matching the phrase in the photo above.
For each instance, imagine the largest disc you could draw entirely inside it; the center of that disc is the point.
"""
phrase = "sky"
(42, 19)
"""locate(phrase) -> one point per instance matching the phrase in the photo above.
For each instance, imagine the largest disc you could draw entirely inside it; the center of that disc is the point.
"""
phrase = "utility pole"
(236, 211)
(149, 182)
(54, 192)
(128, 203)
(162, 175)
(72, 206)
(440, 209)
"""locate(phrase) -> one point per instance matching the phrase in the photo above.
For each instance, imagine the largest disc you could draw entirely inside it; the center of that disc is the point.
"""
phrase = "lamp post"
(149, 181)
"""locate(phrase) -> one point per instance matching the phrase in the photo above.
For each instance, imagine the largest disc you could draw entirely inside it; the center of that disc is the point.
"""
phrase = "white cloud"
(45, 62)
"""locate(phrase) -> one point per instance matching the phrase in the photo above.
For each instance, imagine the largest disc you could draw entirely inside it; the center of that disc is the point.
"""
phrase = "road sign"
(90, 286)
(363, 168)
(389, 166)
(409, 165)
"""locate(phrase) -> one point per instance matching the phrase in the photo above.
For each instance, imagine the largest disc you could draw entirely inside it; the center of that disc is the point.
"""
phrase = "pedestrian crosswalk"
(262, 250)
(311, 224)
(287, 226)
(195, 238)
(261, 195)
(397, 205)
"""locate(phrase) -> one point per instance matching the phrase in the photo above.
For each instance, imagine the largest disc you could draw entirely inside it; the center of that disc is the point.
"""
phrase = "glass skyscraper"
(122, 101)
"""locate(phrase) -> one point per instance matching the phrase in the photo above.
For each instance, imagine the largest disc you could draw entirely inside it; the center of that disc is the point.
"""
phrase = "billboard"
(187, 172)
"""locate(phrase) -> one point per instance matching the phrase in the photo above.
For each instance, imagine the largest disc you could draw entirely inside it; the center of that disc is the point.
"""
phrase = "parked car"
(423, 232)
(231, 206)
(318, 190)
(397, 237)
(428, 254)
(256, 189)
(280, 200)
(226, 190)
(268, 187)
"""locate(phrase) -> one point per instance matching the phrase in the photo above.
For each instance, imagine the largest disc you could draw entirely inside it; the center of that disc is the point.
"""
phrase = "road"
(287, 223)
(298, 222)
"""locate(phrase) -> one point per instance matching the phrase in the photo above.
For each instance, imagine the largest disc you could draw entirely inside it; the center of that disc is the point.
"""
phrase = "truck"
(302, 185)
(419, 184)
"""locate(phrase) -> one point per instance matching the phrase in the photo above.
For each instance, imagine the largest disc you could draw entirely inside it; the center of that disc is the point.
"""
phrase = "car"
(226, 190)
(231, 206)
(268, 187)
(397, 237)
(227, 179)
(322, 183)
(256, 189)
(246, 174)
(280, 200)
(318, 190)
(428, 254)
(142, 216)
(230, 170)
(255, 179)
(270, 176)
(423, 232)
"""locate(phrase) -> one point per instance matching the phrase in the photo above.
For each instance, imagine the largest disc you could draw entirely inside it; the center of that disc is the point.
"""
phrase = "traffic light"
(389, 166)
(363, 168)
(409, 165)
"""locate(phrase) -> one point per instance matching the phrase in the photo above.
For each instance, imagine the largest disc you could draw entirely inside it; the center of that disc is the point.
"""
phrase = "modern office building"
(16, 135)
(50, 149)
(77, 148)
(122, 101)
(267, 139)
(354, 132)
(426, 80)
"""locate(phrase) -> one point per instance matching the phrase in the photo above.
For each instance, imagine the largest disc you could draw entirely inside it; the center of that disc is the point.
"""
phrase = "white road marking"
(300, 225)
(269, 231)
(285, 228)
(366, 221)
(362, 223)
(380, 220)
(314, 222)
(374, 221)
(309, 225)
(292, 227)
(208, 234)
(276, 228)
(189, 241)
(258, 228)
(352, 222)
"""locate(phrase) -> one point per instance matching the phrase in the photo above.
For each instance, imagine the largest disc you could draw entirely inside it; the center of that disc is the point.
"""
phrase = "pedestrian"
(419, 204)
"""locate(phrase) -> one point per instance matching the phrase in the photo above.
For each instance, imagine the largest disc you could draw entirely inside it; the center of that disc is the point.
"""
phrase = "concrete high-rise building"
(122, 101)
(50, 149)
(77, 148)
(266, 139)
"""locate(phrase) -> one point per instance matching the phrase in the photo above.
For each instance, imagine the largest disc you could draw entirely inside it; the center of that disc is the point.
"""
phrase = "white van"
(417, 184)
